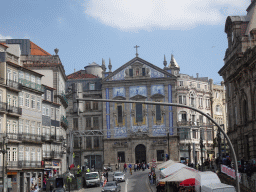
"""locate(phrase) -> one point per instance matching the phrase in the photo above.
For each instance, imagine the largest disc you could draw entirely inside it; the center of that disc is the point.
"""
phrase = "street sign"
(154, 165)
(130, 166)
(153, 160)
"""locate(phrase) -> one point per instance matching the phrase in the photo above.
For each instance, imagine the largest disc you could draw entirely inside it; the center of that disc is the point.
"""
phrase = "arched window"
(245, 110)
(218, 109)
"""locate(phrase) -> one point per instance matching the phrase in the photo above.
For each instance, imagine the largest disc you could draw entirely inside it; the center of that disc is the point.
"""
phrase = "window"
(47, 110)
(209, 135)
(184, 133)
(38, 80)
(8, 126)
(57, 114)
(245, 111)
(158, 112)
(183, 116)
(143, 72)
(121, 156)
(96, 122)
(21, 153)
(75, 123)
(119, 114)
(48, 95)
(27, 77)
(198, 85)
(201, 119)
(33, 155)
(9, 72)
(92, 86)
(39, 129)
(43, 110)
(88, 105)
(33, 102)
(38, 103)
(218, 109)
(207, 103)
(33, 79)
(9, 100)
(95, 105)
(88, 122)
(160, 155)
(14, 101)
(21, 75)
(193, 119)
(200, 102)
(217, 95)
(88, 142)
(96, 142)
(180, 83)
(139, 117)
(39, 154)
(27, 100)
(14, 127)
(52, 113)
(236, 114)
(33, 127)
(131, 72)
(14, 154)
(182, 99)
(194, 133)
(20, 99)
(27, 127)
(15, 76)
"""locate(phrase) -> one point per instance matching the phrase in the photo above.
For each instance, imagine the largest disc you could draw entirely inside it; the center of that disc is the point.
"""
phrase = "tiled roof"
(4, 45)
(79, 75)
(36, 50)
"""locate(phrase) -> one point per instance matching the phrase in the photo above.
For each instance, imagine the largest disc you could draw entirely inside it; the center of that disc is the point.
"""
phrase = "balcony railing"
(63, 97)
(2, 80)
(31, 85)
(52, 154)
(4, 107)
(24, 137)
(13, 84)
(25, 164)
(13, 109)
(64, 122)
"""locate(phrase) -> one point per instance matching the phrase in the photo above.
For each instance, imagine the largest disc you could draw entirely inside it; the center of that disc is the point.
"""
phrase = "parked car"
(111, 186)
(92, 179)
(119, 176)
(107, 169)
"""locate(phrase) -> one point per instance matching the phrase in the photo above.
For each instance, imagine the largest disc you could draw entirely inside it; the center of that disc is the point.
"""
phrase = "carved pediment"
(138, 97)
(157, 96)
(119, 98)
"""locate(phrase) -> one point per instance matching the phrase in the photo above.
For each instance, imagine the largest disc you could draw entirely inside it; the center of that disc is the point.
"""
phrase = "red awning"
(188, 182)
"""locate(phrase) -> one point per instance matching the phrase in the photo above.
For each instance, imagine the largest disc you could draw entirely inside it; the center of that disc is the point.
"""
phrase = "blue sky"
(86, 31)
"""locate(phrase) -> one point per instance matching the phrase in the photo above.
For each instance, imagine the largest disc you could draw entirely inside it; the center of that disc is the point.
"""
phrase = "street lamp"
(201, 147)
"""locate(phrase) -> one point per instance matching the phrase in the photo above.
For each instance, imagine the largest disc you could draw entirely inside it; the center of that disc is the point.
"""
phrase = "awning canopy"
(181, 175)
(166, 164)
(188, 182)
(172, 169)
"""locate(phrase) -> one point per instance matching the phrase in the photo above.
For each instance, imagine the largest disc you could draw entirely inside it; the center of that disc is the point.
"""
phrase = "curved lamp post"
(184, 106)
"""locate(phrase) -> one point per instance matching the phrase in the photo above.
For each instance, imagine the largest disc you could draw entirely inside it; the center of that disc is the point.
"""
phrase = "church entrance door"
(140, 153)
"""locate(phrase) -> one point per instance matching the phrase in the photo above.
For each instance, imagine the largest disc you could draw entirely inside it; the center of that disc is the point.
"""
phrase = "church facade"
(138, 133)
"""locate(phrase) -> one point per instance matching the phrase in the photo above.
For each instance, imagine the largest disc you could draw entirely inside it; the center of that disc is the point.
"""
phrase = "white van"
(218, 187)
(205, 178)
(92, 179)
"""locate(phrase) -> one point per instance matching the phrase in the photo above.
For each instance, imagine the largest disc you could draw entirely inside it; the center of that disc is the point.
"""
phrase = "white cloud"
(5, 37)
(165, 14)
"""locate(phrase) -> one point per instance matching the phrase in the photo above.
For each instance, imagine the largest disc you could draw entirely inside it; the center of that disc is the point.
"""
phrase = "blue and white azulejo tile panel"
(157, 89)
(120, 132)
(118, 91)
(138, 90)
(159, 130)
(155, 74)
(143, 128)
(119, 76)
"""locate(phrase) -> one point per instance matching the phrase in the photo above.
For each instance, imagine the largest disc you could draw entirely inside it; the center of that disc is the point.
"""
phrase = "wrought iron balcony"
(25, 164)
(64, 122)
(14, 136)
(28, 137)
(32, 85)
(63, 98)
(13, 84)
(53, 154)
(13, 109)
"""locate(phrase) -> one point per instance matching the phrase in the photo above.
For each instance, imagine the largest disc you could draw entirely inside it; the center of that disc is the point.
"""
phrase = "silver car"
(111, 186)
(119, 176)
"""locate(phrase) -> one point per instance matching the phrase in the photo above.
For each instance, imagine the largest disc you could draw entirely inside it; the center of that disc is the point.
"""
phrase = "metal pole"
(168, 135)
(81, 152)
(3, 150)
(201, 147)
(184, 106)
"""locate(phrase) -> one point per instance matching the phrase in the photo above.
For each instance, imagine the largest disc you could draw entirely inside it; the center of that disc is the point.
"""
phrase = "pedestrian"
(148, 166)
(143, 166)
(116, 167)
(102, 179)
(154, 178)
(151, 178)
(125, 167)
(107, 175)
(135, 167)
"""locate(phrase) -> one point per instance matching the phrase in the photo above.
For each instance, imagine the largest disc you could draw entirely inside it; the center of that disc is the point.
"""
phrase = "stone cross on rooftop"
(137, 50)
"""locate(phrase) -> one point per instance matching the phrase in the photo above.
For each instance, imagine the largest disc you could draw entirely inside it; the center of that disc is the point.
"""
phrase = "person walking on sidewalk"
(102, 179)
(125, 167)
(154, 178)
